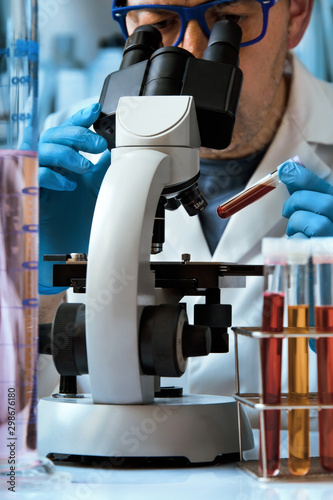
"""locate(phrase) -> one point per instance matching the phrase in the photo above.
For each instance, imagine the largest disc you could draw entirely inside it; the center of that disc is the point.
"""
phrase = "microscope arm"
(119, 281)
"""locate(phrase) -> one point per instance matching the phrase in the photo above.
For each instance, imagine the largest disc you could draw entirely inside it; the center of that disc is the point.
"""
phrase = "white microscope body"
(133, 330)
(157, 146)
(155, 135)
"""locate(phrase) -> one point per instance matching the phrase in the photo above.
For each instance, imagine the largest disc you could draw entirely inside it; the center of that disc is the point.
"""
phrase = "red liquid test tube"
(271, 356)
(253, 193)
(248, 196)
(322, 257)
(324, 324)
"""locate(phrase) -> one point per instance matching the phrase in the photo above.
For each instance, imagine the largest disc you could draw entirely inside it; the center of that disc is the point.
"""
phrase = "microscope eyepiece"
(224, 43)
(143, 42)
(167, 67)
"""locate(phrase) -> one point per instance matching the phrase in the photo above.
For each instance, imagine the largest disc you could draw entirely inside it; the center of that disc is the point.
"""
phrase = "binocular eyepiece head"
(223, 44)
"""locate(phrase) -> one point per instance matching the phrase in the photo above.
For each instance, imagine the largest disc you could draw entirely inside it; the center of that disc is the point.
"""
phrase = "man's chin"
(230, 152)
(240, 147)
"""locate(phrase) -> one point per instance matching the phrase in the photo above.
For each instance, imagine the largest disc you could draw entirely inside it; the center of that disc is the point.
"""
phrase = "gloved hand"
(69, 184)
(310, 206)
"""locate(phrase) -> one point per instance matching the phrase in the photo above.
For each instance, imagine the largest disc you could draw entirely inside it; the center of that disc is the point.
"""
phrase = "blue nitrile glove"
(69, 184)
(310, 206)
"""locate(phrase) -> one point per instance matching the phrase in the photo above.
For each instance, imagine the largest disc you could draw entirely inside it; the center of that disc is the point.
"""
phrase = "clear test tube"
(273, 250)
(298, 254)
(322, 257)
(253, 193)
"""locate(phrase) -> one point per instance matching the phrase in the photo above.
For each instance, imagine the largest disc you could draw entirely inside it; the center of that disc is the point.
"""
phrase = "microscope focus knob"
(68, 340)
(167, 340)
(197, 340)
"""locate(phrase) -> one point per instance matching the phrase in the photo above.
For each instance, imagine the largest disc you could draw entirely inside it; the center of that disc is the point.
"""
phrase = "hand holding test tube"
(253, 193)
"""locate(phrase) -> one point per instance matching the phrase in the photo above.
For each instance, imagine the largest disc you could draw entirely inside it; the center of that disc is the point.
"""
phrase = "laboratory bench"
(157, 479)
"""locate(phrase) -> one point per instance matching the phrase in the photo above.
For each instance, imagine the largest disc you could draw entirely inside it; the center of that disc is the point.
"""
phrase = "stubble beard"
(255, 126)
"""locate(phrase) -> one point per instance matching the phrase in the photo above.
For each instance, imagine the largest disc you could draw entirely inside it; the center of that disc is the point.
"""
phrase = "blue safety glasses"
(171, 20)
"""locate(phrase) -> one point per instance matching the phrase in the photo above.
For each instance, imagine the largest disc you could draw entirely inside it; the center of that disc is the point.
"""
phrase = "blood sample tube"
(271, 354)
(322, 257)
(298, 253)
(253, 193)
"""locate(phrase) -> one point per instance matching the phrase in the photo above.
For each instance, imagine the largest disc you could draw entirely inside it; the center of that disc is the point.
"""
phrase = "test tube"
(253, 193)
(273, 250)
(322, 257)
(298, 253)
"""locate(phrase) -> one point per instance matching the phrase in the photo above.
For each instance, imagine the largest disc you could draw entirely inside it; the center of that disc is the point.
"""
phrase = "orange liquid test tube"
(298, 252)
(298, 387)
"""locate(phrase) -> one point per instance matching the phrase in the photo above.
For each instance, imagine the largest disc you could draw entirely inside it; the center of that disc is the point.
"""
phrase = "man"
(283, 111)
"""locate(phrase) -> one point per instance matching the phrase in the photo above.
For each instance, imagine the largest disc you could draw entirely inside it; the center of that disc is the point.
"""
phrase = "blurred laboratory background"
(316, 48)
(80, 45)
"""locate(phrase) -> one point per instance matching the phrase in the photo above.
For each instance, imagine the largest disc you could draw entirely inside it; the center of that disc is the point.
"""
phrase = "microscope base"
(197, 427)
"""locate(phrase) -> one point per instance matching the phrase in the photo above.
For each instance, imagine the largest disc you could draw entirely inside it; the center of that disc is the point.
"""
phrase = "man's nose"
(195, 40)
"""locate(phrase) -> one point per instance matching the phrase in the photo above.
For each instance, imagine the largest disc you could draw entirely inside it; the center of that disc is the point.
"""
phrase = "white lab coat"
(306, 130)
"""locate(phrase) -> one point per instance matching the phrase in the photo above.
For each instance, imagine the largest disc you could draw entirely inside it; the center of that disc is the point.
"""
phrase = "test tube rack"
(254, 401)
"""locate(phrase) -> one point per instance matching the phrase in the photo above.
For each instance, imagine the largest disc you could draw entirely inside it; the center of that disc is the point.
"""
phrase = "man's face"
(262, 97)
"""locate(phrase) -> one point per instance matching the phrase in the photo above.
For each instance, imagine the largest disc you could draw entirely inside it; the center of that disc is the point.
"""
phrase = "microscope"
(156, 112)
